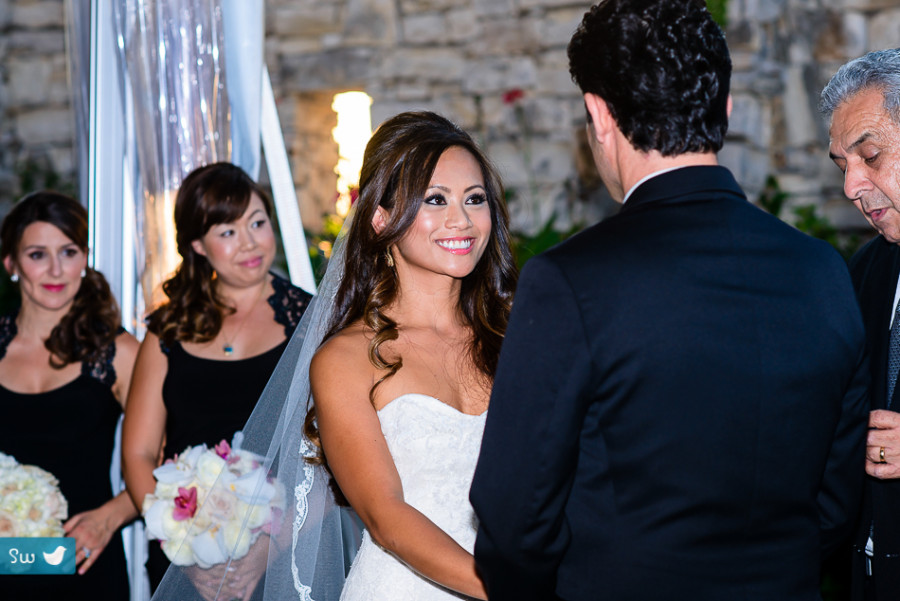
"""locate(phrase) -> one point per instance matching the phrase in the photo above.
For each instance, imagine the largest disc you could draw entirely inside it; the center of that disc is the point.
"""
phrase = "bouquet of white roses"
(30, 502)
(212, 504)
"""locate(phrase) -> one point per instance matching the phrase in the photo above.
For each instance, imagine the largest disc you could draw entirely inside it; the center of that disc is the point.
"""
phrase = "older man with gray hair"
(863, 103)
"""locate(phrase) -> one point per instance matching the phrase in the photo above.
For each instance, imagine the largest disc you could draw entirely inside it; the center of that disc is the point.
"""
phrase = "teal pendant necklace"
(228, 347)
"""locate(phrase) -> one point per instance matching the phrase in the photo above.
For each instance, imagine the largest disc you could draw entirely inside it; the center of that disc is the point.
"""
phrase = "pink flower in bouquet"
(185, 504)
(223, 449)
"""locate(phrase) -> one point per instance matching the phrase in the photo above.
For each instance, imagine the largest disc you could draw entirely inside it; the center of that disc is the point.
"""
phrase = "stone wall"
(498, 68)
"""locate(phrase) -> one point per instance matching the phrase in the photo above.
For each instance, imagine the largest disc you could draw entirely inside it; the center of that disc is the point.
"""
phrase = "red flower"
(185, 504)
(511, 96)
(354, 194)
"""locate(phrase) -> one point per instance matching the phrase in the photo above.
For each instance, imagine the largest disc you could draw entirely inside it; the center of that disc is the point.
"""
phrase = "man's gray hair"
(878, 70)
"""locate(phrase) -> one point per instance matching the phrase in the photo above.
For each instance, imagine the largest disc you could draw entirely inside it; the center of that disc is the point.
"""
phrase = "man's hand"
(883, 444)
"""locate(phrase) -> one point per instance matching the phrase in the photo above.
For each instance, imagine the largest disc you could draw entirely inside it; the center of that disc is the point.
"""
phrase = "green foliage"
(807, 219)
(719, 11)
(34, 174)
(525, 246)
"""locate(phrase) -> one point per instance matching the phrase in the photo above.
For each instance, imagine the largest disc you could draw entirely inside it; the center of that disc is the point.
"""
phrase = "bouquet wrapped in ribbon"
(211, 505)
(30, 501)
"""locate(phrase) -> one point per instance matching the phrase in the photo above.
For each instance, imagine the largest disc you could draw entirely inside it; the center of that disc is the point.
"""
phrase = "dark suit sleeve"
(841, 489)
(530, 447)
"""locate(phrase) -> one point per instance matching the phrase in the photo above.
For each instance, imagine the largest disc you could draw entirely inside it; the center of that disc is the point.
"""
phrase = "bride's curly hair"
(208, 195)
(92, 321)
(399, 161)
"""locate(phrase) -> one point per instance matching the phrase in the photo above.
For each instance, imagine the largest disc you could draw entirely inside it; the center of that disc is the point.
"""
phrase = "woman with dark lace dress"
(210, 349)
(65, 367)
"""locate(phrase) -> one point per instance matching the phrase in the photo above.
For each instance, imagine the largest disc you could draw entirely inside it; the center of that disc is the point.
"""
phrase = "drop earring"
(14, 278)
(83, 272)
(389, 258)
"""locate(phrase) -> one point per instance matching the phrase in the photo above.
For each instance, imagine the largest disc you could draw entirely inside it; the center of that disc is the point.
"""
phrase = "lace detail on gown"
(435, 449)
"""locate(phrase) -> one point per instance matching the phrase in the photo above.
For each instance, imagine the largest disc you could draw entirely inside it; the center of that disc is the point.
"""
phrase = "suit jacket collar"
(685, 183)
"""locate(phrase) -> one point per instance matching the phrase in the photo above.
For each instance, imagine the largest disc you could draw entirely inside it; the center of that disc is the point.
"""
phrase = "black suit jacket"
(679, 409)
(875, 269)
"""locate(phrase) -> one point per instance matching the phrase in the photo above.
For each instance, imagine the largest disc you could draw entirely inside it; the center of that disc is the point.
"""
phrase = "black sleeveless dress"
(208, 400)
(70, 432)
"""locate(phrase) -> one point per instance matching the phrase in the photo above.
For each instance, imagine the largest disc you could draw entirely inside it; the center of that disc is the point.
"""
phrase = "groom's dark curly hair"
(663, 69)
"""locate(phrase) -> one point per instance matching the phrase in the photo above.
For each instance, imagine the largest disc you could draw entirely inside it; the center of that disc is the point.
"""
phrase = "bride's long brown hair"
(398, 163)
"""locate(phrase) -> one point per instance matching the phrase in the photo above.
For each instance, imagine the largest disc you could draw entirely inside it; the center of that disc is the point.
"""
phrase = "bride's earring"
(389, 258)
(14, 278)
(83, 272)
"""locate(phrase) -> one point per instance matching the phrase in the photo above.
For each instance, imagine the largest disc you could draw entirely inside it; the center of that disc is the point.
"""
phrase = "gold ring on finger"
(881, 458)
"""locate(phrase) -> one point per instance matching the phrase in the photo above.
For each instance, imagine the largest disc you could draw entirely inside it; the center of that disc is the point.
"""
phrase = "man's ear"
(728, 106)
(602, 120)
(197, 245)
(380, 219)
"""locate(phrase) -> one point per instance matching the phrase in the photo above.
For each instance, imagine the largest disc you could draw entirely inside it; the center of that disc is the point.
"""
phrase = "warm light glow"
(352, 133)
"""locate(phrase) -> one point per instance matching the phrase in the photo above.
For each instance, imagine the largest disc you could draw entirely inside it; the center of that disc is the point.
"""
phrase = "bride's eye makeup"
(435, 199)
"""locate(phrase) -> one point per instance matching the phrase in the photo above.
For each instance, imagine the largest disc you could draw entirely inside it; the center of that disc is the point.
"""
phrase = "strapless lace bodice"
(435, 448)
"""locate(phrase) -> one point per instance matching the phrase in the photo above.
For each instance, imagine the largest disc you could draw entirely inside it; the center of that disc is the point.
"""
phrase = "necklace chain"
(228, 347)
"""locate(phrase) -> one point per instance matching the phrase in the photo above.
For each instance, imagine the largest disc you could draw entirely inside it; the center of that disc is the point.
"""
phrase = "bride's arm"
(358, 456)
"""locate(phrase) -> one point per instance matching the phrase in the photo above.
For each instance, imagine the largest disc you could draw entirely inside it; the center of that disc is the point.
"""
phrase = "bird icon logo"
(55, 558)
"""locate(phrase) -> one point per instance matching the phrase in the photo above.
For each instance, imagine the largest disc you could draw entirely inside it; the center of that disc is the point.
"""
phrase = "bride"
(401, 383)
(387, 413)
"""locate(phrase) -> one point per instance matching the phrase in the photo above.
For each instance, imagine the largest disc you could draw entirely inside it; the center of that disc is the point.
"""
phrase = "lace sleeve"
(289, 303)
(7, 332)
(100, 367)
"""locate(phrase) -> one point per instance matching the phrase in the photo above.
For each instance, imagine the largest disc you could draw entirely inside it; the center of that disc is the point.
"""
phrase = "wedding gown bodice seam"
(431, 398)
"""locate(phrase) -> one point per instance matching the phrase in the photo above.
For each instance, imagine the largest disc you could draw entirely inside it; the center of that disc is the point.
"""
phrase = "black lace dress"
(208, 400)
(70, 432)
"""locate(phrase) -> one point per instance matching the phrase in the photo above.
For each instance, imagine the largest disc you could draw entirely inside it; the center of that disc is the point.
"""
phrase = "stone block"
(884, 30)
(462, 26)
(301, 21)
(420, 29)
(801, 118)
(370, 22)
(39, 42)
(749, 166)
(869, 5)
(409, 7)
(552, 77)
(750, 120)
(556, 27)
(424, 64)
(45, 126)
(855, 38)
(494, 7)
(35, 81)
(335, 69)
(506, 36)
(497, 75)
(37, 14)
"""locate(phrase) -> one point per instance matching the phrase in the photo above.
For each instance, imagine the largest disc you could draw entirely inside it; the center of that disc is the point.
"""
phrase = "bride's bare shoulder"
(344, 352)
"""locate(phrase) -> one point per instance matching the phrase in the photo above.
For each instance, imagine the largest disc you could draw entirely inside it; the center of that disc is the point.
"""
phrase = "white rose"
(237, 540)
(178, 553)
(209, 466)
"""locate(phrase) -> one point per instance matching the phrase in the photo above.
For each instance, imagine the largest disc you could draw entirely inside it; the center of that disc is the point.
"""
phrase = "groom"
(680, 406)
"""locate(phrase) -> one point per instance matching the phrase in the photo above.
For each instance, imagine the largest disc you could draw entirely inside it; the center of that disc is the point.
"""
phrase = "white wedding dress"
(435, 448)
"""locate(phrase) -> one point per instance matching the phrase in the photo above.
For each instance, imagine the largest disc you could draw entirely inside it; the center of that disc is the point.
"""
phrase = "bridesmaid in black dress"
(65, 367)
(211, 348)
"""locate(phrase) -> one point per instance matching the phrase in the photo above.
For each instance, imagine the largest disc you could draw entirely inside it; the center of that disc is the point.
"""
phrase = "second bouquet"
(211, 505)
